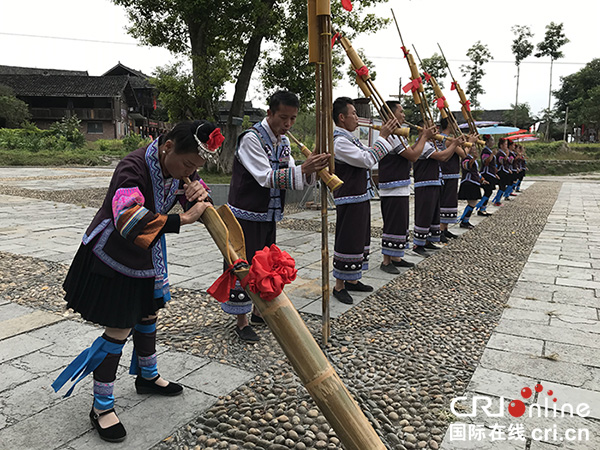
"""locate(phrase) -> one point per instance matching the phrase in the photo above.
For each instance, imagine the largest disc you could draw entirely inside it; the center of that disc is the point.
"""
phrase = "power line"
(67, 38)
(491, 61)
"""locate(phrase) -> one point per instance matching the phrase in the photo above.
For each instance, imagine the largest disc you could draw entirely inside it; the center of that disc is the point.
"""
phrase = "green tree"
(521, 48)
(479, 55)
(13, 112)
(176, 92)
(223, 40)
(579, 92)
(520, 115)
(554, 39)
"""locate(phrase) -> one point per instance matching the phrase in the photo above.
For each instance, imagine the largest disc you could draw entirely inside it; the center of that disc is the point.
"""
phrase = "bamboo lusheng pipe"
(465, 109)
(418, 93)
(331, 180)
(445, 110)
(365, 82)
(319, 18)
(306, 357)
(400, 131)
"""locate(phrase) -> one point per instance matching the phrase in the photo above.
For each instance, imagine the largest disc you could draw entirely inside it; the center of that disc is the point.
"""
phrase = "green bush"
(32, 140)
(70, 129)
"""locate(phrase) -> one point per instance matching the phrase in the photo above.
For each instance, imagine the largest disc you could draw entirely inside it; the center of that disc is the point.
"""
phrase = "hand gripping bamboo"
(310, 364)
(331, 180)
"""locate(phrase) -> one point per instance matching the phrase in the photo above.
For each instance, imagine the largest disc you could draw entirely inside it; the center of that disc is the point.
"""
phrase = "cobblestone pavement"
(404, 352)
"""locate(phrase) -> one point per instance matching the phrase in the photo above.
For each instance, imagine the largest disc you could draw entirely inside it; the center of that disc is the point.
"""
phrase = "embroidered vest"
(249, 200)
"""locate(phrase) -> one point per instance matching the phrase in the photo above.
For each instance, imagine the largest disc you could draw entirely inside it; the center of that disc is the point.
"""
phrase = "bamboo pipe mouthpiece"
(404, 132)
(331, 180)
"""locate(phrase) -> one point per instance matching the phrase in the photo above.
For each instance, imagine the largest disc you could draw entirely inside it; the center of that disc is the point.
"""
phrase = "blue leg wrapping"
(498, 196)
(86, 363)
(466, 213)
(103, 395)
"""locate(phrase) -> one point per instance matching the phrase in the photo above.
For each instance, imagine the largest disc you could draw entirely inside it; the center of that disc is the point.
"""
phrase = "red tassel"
(453, 86)
(221, 287)
(363, 71)
(347, 5)
(440, 102)
(467, 105)
(413, 85)
(404, 51)
(335, 38)
(427, 77)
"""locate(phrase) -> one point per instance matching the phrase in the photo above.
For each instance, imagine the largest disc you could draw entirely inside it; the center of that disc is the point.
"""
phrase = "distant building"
(254, 114)
(110, 106)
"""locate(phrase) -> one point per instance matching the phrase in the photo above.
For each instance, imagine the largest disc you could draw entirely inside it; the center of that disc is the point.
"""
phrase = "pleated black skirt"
(106, 297)
(469, 191)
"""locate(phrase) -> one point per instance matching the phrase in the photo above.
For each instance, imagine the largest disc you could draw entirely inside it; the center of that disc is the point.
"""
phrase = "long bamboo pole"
(310, 364)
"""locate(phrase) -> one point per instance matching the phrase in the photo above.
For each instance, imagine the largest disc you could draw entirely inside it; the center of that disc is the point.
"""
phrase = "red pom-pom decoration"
(215, 139)
(270, 271)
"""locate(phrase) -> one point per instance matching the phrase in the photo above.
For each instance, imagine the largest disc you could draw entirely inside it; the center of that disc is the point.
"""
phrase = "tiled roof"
(14, 70)
(65, 85)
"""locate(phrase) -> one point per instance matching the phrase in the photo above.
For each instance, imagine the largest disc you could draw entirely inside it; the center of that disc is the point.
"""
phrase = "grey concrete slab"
(18, 346)
(517, 344)
(555, 308)
(536, 367)
(150, 421)
(27, 322)
(12, 310)
(13, 376)
(48, 429)
(216, 378)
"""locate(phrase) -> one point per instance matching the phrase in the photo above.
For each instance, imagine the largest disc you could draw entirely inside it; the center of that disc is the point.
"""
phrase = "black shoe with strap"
(144, 386)
(114, 433)
(467, 225)
(358, 287)
(483, 213)
(343, 296)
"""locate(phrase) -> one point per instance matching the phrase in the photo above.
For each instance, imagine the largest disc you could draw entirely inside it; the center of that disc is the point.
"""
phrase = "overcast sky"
(94, 39)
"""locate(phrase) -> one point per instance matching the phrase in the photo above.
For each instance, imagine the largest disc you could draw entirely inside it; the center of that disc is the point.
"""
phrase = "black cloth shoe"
(247, 334)
(420, 250)
(431, 246)
(343, 296)
(443, 238)
(467, 225)
(143, 386)
(114, 433)
(257, 320)
(450, 235)
(358, 286)
(389, 268)
(403, 263)
(483, 213)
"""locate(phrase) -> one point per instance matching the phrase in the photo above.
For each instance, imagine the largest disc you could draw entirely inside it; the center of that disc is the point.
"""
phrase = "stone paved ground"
(404, 351)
